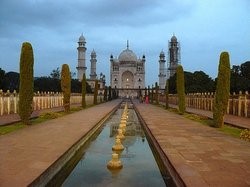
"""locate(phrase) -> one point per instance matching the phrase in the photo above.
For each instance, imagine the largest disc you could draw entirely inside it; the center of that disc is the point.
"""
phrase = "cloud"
(56, 15)
(53, 27)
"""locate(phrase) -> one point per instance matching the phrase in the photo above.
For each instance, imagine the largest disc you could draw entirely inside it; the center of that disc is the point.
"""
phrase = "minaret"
(93, 65)
(162, 73)
(174, 55)
(81, 68)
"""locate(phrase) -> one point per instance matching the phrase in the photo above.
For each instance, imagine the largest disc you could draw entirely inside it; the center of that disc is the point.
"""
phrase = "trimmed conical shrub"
(84, 91)
(149, 94)
(156, 93)
(166, 95)
(110, 94)
(152, 94)
(222, 90)
(180, 89)
(26, 84)
(95, 92)
(66, 86)
(105, 97)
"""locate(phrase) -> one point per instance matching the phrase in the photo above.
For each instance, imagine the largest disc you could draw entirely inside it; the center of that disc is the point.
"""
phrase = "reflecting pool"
(139, 165)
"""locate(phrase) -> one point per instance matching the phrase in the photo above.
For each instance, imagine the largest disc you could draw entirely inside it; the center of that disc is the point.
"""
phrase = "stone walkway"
(26, 153)
(201, 155)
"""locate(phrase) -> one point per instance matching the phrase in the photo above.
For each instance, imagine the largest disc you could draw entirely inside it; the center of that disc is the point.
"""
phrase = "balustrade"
(238, 104)
(41, 100)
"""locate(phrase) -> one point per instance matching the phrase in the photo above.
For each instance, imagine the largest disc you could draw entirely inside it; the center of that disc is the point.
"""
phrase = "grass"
(11, 128)
(233, 131)
(227, 129)
(42, 118)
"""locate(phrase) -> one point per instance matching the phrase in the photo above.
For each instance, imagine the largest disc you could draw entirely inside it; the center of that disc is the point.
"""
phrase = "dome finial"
(127, 44)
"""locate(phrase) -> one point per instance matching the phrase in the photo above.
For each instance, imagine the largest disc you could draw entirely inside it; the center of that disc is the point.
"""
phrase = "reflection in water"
(139, 166)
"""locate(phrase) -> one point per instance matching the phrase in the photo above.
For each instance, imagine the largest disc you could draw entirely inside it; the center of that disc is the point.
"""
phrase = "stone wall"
(43, 100)
(238, 104)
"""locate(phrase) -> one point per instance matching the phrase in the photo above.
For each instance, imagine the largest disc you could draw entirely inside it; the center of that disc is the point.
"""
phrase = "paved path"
(201, 155)
(26, 153)
(233, 120)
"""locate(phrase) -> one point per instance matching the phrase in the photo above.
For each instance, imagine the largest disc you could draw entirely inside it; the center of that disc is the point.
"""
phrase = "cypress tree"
(95, 92)
(110, 92)
(84, 91)
(166, 95)
(105, 94)
(156, 93)
(152, 94)
(222, 90)
(180, 89)
(66, 86)
(26, 84)
(149, 99)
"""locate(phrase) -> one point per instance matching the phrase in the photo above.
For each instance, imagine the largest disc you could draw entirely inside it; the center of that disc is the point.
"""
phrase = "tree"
(152, 94)
(105, 94)
(2, 74)
(156, 93)
(76, 86)
(201, 83)
(83, 91)
(11, 81)
(47, 84)
(166, 95)
(110, 94)
(222, 90)
(180, 89)
(245, 70)
(55, 74)
(149, 94)
(66, 86)
(194, 82)
(95, 92)
(26, 83)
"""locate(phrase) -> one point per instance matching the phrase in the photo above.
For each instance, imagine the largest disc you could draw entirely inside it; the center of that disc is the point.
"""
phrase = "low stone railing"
(238, 104)
(43, 100)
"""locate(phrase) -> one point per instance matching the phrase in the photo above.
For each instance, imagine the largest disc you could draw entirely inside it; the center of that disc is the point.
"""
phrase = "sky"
(204, 29)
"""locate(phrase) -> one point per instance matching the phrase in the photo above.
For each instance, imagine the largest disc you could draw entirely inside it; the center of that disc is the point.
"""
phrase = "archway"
(127, 79)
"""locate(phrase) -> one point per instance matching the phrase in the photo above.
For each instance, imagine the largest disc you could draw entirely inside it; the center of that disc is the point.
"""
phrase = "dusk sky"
(204, 28)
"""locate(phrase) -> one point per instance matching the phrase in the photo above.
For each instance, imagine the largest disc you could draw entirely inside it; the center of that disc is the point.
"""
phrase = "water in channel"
(139, 165)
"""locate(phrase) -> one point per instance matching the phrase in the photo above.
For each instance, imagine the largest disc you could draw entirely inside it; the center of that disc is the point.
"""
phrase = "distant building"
(81, 68)
(127, 72)
(162, 71)
(174, 57)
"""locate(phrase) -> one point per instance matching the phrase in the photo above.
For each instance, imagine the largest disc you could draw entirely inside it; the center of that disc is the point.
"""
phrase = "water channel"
(139, 165)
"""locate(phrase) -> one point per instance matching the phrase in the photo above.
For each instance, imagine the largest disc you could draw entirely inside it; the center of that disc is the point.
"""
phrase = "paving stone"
(28, 152)
(201, 155)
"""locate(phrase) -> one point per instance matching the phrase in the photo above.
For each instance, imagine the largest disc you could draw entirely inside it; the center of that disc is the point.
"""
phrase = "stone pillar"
(8, 101)
(1, 102)
(239, 103)
(246, 104)
(212, 101)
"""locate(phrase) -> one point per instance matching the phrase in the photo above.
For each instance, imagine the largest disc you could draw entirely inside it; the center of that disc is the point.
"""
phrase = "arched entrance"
(127, 83)
(127, 79)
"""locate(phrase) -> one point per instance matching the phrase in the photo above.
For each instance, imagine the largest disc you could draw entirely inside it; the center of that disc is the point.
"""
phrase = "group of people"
(144, 99)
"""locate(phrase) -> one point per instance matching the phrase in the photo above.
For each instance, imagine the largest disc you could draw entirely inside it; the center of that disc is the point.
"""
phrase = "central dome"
(127, 55)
